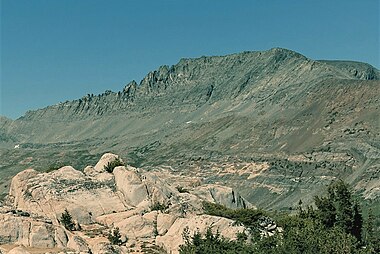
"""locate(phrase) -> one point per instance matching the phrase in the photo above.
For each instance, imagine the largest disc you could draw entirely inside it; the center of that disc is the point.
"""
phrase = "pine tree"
(342, 199)
(67, 220)
(339, 209)
(370, 234)
(326, 211)
(357, 227)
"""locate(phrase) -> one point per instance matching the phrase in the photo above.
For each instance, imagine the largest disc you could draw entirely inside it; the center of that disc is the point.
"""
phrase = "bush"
(114, 237)
(157, 206)
(247, 217)
(67, 220)
(212, 243)
(112, 165)
(182, 190)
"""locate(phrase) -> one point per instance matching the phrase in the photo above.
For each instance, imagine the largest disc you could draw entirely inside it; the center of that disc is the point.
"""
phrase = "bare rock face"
(222, 195)
(113, 218)
(164, 222)
(31, 232)
(129, 183)
(49, 194)
(137, 226)
(19, 250)
(18, 184)
(106, 248)
(144, 205)
(78, 244)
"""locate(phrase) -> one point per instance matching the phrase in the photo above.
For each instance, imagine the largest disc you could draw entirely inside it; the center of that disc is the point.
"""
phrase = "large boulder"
(18, 186)
(223, 195)
(138, 226)
(129, 183)
(49, 194)
(30, 232)
(141, 188)
(164, 222)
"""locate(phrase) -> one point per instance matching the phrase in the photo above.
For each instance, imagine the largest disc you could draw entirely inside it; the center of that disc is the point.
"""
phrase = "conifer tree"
(357, 226)
(67, 220)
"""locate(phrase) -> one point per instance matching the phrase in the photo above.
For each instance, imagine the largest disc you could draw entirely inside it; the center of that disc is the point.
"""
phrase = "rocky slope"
(275, 125)
(99, 201)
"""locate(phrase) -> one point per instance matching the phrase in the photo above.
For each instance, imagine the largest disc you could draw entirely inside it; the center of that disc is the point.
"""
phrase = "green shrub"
(247, 217)
(157, 206)
(300, 236)
(114, 237)
(180, 189)
(212, 244)
(112, 165)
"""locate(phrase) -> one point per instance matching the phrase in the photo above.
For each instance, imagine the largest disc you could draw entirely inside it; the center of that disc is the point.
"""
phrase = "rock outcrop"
(144, 207)
(30, 231)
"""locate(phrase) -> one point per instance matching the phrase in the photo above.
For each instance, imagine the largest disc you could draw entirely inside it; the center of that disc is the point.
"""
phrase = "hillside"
(274, 125)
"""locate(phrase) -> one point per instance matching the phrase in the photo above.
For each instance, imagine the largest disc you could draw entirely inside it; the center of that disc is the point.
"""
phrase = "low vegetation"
(211, 243)
(181, 189)
(113, 164)
(247, 217)
(334, 225)
(114, 237)
(157, 206)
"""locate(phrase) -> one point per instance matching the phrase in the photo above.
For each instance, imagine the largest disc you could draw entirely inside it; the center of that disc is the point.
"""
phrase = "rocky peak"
(131, 86)
(281, 54)
(156, 80)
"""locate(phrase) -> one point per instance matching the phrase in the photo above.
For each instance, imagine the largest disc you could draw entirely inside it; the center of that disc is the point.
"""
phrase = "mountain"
(274, 125)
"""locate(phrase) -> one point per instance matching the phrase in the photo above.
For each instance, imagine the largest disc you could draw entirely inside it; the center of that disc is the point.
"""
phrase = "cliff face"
(221, 118)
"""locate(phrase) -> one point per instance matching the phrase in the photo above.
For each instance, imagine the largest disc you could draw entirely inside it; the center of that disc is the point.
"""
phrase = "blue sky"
(58, 50)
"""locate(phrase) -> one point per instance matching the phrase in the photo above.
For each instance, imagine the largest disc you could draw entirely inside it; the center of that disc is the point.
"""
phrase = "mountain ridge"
(156, 81)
